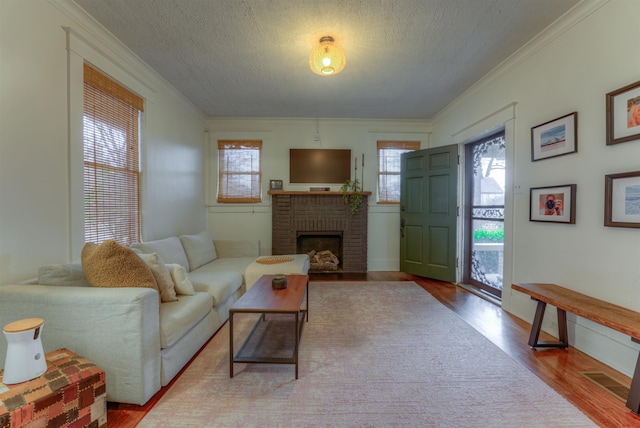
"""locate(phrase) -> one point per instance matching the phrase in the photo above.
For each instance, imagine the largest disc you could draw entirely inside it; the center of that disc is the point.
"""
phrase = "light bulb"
(326, 61)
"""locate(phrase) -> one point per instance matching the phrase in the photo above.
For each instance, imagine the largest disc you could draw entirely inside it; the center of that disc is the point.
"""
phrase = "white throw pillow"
(181, 280)
(169, 249)
(163, 277)
(199, 249)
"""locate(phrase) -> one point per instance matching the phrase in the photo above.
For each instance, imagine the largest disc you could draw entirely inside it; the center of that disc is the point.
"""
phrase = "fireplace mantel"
(299, 212)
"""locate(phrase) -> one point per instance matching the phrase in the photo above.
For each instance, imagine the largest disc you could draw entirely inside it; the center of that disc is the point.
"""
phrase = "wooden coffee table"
(262, 299)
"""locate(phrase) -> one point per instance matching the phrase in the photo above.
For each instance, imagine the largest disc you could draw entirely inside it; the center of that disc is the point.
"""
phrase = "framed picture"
(623, 114)
(555, 138)
(554, 204)
(622, 199)
(275, 184)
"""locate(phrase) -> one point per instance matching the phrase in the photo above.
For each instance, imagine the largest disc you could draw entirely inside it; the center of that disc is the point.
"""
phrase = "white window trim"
(79, 51)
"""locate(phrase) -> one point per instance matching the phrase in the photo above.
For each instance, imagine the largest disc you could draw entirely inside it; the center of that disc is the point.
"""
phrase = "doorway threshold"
(482, 294)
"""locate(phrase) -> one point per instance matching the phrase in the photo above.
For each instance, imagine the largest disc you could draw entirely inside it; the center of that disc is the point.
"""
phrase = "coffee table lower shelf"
(246, 354)
(288, 309)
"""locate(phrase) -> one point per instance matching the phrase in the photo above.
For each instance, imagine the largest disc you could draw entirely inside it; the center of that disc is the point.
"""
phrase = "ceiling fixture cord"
(327, 58)
(316, 137)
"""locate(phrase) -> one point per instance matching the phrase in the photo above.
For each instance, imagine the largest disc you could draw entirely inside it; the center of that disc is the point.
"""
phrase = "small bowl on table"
(279, 282)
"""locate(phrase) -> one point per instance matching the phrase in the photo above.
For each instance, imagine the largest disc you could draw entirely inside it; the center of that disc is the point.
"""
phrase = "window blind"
(111, 123)
(239, 171)
(389, 168)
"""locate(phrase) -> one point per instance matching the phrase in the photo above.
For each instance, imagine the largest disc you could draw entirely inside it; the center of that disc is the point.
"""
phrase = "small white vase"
(25, 356)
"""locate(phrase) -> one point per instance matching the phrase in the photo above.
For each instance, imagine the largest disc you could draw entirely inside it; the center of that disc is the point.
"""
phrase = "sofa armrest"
(237, 248)
(118, 329)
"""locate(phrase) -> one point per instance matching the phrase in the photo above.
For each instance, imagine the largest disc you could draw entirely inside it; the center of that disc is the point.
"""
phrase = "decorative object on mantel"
(279, 282)
(275, 184)
(327, 58)
(351, 189)
(362, 181)
(25, 356)
(351, 194)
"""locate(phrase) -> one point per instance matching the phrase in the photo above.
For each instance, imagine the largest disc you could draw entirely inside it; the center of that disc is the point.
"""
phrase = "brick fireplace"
(303, 219)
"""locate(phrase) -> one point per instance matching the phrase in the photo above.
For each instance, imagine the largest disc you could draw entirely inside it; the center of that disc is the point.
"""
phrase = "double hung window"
(239, 171)
(389, 168)
(111, 135)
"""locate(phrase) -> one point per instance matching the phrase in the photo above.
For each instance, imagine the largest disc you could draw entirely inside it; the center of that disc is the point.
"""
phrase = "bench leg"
(633, 400)
(231, 344)
(563, 336)
(536, 326)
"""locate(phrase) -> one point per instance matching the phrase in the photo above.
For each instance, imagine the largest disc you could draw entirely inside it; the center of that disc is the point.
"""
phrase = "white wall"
(569, 68)
(40, 203)
(278, 136)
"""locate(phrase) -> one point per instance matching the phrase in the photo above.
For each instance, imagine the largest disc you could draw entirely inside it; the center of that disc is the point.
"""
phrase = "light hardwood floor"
(560, 369)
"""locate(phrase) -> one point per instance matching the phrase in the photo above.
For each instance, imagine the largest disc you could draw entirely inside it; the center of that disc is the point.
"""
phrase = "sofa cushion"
(70, 275)
(199, 249)
(163, 277)
(113, 265)
(237, 264)
(219, 285)
(177, 318)
(169, 249)
(181, 281)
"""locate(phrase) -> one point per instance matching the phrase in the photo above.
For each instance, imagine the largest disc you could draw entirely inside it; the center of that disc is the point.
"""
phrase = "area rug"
(375, 354)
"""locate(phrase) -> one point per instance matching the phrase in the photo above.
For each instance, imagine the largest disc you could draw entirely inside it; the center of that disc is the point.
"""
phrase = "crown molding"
(570, 19)
(88, 30)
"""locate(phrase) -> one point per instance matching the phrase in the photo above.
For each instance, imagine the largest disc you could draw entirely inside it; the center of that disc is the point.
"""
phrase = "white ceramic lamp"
(25, 356)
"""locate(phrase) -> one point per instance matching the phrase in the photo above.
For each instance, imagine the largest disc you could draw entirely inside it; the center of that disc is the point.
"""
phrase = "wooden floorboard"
(559, 368)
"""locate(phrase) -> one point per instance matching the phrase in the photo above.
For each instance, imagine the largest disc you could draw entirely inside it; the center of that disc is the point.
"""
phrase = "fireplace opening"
(324, 250)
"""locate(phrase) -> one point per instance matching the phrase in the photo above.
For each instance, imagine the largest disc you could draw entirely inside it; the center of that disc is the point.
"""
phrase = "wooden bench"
(565, 300)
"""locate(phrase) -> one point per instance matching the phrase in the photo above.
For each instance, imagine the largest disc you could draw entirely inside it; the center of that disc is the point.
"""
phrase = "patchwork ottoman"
(288, 264)
(71, 393)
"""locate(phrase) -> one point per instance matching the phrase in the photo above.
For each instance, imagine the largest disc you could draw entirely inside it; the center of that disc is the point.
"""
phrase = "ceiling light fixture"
(327, 58)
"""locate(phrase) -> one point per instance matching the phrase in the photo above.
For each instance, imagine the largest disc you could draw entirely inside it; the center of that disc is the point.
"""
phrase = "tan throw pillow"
(113, 265)
(181, 280)
(162, 276)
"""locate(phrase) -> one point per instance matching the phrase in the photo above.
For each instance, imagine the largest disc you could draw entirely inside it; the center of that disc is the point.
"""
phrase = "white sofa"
(139, 342)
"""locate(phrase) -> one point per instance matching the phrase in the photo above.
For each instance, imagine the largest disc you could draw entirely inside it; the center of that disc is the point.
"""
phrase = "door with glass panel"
(484, 214)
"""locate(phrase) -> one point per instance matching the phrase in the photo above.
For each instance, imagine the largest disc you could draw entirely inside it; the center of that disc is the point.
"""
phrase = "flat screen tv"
(321, 166)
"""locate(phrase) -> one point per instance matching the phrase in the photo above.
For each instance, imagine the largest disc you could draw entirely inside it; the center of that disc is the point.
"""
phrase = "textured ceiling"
(406, 59)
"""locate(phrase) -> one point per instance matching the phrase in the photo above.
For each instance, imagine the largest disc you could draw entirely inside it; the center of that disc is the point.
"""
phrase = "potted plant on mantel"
(351, 194)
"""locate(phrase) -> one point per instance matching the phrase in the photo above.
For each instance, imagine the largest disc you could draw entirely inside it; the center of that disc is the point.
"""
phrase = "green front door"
(428, 212)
